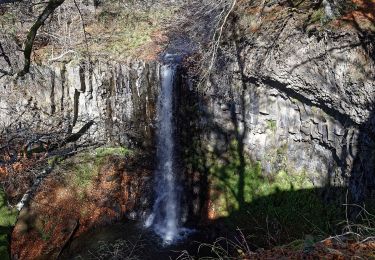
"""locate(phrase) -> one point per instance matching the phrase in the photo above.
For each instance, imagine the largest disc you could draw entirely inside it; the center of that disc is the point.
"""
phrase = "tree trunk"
(48, 10)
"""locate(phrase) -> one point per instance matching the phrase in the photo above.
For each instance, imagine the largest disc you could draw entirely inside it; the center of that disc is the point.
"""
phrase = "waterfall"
(165, 217)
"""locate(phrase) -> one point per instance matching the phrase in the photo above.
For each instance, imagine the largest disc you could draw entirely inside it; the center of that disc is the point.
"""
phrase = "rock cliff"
(295, 97)
(118, 97)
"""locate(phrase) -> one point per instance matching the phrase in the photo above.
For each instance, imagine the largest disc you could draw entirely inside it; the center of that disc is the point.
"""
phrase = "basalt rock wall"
(118, 97)
(294, 101)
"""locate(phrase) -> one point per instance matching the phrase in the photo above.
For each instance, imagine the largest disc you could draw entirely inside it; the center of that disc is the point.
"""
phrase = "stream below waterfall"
(130, 239)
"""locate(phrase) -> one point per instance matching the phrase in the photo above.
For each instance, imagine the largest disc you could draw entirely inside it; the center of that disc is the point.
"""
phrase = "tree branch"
(61, 55)
(48, 10)
(217, 38)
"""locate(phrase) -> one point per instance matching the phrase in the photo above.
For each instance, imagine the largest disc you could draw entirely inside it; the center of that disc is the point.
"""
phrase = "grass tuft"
(124, 32)
(86, 166)
(105, 151)
(8, 218)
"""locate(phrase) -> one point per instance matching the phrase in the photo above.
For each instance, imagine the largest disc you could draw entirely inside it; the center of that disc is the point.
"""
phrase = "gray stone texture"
(119, 97)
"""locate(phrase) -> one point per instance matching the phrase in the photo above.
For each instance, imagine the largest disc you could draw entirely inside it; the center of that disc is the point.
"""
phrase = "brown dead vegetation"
(61, 211)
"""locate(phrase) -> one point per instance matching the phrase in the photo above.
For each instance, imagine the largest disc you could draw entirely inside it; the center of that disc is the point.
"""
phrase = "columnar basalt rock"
(301, 103)
(119, 97)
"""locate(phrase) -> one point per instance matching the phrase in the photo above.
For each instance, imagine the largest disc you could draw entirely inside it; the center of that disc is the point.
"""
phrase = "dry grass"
(128, 32)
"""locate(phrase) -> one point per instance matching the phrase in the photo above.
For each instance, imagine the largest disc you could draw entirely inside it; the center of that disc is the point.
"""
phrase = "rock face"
(119, 98)
(297, 102)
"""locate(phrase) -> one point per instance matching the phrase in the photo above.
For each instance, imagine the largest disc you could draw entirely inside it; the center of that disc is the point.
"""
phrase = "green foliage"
(55, 160)
(317, 16)
(84, 172)
(8, 218)
(272, 125)
(4, 254)
(86, 166)
(278, 208)
(226, 178)
(294, 213)
(105, 151)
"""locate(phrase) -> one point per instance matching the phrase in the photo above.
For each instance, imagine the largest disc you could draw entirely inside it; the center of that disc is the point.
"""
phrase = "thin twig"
(216, 41)
(61, 55)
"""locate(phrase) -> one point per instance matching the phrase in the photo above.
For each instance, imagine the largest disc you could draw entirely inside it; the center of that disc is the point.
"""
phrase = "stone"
(111, 178)
(339, 131)
(306, 128)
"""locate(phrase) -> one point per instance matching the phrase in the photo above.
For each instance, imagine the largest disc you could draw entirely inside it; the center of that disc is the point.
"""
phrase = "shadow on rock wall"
(224, 181)
(226, 190)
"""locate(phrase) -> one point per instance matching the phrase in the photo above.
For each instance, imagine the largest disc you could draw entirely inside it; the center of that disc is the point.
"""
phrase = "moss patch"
(7, 220)
(105, 151)
(7, 21)
(228, 174)
(317, 16)
(85, 167)
(275, 208)
(272, 125)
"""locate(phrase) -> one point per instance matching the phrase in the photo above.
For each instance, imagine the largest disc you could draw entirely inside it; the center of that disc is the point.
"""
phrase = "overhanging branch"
(48, 10)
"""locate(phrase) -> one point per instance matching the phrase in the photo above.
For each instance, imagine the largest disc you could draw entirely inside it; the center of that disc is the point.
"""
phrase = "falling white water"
(165, 219)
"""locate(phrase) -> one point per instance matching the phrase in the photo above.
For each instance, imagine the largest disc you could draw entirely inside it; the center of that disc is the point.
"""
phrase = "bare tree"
(204, 22)
(48, 10)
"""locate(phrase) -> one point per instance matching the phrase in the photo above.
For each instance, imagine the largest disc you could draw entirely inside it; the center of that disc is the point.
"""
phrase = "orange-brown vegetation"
(152, 50)
(361, 18)
(331, 248)
(60, 211)
(18, 171)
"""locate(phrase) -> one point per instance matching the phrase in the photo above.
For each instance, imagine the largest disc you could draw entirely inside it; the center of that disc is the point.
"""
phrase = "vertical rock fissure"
(52, 95)
(76, 106)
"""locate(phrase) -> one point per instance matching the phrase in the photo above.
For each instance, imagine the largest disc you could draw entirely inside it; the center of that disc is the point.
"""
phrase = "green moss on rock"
(8, 218)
